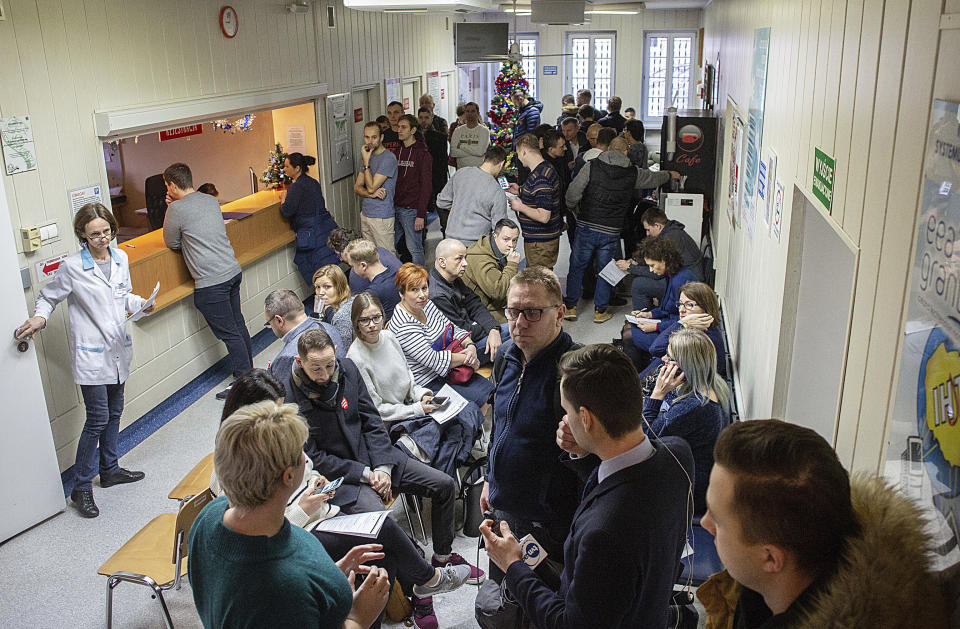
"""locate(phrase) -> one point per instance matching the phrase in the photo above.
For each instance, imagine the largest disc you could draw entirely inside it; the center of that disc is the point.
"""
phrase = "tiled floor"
(48, 574)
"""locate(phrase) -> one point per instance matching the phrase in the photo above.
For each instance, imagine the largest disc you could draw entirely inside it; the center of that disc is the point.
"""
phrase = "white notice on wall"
(16, 136)
(48, 268)
(81, 196)
(777, 210)
(296, 140)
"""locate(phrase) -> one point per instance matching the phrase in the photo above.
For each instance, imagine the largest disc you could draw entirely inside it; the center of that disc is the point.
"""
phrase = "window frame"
(569, 36)
(657, 122)
(532, 80)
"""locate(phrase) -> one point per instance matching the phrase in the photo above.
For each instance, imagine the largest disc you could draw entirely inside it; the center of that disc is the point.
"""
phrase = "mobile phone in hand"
(439, 401)
(330, 487)
(503, 182)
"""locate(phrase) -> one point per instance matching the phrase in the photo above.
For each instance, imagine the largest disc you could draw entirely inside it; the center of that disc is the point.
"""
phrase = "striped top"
(416, 339)
(542, 190)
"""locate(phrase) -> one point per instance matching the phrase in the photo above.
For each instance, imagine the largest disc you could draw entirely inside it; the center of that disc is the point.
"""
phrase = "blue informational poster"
(923, 450)
(761, 53)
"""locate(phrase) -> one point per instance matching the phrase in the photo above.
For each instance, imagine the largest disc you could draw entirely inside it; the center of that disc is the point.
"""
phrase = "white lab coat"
(99, 344)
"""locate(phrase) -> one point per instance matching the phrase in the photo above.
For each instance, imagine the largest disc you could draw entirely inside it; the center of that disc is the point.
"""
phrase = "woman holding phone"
(96, 284)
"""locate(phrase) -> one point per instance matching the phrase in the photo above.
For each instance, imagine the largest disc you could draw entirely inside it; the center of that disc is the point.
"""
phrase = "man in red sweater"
(414, 185)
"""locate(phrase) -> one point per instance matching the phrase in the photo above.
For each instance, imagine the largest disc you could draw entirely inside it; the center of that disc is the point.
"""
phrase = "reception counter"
(252, 237)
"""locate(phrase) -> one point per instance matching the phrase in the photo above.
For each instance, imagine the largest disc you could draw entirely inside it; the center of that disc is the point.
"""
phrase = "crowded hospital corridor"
(534, 314)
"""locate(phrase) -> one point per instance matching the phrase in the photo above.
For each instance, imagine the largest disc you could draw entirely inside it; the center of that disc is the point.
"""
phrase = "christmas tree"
(273, 176)
(502, 114)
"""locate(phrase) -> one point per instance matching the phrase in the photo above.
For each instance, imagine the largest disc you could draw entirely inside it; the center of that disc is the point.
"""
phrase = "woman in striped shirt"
(418, 323)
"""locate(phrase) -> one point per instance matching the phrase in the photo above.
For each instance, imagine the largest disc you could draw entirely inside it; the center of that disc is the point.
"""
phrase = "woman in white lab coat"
(96, 284)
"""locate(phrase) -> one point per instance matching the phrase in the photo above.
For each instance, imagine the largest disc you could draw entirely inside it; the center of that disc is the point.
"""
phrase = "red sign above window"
(181, 132)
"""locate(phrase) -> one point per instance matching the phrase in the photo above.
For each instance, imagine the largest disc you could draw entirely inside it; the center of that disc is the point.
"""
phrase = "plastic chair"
(155, 556)
(704, 561)
(195, 481)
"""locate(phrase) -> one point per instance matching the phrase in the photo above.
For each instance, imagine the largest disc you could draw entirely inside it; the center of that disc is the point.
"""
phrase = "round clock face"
(229, 23)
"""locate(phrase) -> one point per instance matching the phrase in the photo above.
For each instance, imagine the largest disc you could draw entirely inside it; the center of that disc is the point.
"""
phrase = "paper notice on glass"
(455, 404)
(636, 320)
(139, 314)
(360, 524)
(612, 274)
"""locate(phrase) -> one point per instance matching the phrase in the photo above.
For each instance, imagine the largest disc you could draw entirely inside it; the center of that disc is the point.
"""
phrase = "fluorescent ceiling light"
(404, 10)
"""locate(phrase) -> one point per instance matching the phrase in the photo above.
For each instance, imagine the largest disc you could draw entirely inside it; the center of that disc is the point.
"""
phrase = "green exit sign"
(823, 170)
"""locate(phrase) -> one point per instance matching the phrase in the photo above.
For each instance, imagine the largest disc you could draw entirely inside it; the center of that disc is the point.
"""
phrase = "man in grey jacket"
(194, 225)
(475, 199)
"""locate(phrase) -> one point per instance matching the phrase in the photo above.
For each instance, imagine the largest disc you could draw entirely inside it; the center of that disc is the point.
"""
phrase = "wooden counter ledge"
(253, 237)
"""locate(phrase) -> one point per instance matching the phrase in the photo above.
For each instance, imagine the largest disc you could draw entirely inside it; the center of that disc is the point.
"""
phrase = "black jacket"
(608, 198)
(689, 250)
(620, 559)
(461, 305)
(614, 121)
(346, 436)
(437, 145)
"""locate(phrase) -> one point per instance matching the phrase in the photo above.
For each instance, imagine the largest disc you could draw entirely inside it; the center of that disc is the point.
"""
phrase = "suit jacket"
(621, 557)
(348, 436)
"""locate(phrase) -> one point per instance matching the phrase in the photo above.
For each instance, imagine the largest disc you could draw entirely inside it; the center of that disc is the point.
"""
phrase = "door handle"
(22, 345)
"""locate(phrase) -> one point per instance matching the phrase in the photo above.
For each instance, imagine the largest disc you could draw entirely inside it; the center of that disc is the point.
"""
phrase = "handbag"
(446, 341)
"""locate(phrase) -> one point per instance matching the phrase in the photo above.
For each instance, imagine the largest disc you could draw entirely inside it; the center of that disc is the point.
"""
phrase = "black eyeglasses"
(530, 314)
(374, 320)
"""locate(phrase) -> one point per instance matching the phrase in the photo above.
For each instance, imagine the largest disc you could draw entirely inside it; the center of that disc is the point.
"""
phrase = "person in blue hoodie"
(305, 209)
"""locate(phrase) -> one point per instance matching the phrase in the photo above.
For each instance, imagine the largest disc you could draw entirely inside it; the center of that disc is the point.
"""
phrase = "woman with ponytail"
(305, 209)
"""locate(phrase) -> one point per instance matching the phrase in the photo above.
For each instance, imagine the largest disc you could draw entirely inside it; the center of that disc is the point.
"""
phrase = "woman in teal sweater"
(249, 567)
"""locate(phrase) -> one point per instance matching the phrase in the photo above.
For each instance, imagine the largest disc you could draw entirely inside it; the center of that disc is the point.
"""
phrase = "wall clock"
(229, 22)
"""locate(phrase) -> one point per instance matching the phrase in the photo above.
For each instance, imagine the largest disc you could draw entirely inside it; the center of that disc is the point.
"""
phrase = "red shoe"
(423, 615)
(477, 575)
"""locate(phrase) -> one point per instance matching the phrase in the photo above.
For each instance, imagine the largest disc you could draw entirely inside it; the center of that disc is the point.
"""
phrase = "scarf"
(322, 395)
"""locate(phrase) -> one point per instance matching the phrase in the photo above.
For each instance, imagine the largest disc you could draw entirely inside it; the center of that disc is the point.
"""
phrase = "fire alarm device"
(229, 22)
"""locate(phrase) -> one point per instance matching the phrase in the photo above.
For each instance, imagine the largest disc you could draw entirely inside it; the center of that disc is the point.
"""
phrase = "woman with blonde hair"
(690, 401)
(333, 300)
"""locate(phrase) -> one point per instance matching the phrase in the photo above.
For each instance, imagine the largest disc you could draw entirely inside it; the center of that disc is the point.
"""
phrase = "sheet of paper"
(139, 314)
(360, 524)
(612, 274)
(636, 320)
(452, 408)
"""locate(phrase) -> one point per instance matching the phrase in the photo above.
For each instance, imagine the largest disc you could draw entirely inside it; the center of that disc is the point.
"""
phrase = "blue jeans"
(220, 306)
(482, 344)
(588, 243)
(403, 228)
(647, 286)
(104, 404)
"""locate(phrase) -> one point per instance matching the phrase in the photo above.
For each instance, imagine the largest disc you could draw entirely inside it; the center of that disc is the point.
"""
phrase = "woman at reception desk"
(308, 216)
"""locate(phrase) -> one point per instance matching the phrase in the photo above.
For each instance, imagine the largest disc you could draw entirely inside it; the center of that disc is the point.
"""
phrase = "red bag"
(456, 375)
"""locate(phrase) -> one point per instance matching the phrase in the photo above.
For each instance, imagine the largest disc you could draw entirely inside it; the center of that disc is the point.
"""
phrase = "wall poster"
(923, 451)
(339, 138)
(394, 91)
(761, 52)
(734, 176)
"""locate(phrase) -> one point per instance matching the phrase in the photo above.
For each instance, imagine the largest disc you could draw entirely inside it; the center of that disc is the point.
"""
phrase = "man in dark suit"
(621, 556)
(348, 438)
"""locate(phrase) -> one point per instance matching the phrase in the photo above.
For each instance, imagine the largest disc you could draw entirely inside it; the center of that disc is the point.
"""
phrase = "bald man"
(461, 305)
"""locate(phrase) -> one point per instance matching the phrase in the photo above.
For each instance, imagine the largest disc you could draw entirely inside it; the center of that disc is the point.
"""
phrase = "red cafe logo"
(689, 138)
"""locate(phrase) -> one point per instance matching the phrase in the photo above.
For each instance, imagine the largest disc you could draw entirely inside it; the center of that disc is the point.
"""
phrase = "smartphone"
(439, 400)
(503, 182)
(330, 487)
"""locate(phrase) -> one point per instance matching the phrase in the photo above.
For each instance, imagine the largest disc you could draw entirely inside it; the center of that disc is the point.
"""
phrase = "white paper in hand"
(612, 273)
(455, 404)
(636, 320)
(139, 314)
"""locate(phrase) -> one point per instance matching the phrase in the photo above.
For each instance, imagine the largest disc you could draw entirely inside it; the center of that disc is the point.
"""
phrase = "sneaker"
(600, 316)
(222, 395)
(83, 499)
(476, 574)
(423, 615)
(451, 578)
(119, 477)
(571, 314)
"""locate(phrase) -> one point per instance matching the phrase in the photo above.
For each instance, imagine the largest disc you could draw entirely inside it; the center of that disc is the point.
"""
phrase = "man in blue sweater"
(621, 556)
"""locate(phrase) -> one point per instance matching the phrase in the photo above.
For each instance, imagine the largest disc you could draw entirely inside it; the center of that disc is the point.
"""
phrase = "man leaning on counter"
(194, 226)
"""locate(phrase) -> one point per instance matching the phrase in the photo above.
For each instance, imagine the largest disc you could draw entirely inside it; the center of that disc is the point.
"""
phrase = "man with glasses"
(526, 485)
(286, 317)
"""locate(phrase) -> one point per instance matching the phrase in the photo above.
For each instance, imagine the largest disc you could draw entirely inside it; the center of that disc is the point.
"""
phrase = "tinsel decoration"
(240, 124)
(502, 113)
(273, 176)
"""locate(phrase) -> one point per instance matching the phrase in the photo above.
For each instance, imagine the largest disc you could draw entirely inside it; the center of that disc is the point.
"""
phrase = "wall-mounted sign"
(394, 91)
(406, 103)
(296, 139)
(16, 135)
(358, 114)
(48, 268)
(181, 132)
(338, 133)
(823, 170)
(777, 211)
(81, 196)
(549, 70)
